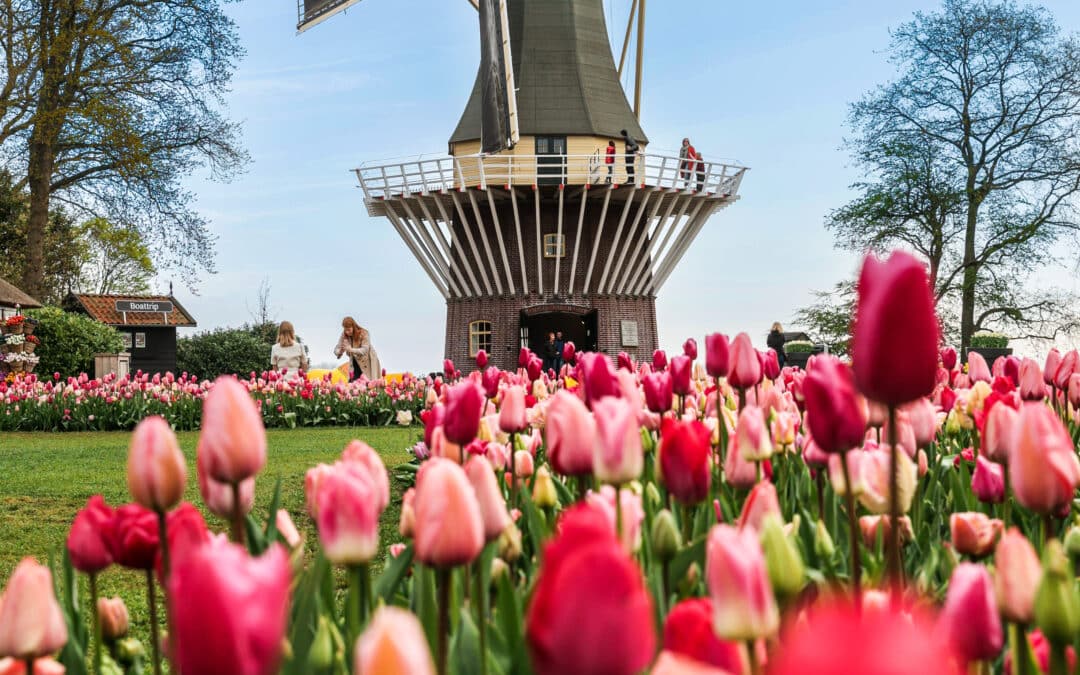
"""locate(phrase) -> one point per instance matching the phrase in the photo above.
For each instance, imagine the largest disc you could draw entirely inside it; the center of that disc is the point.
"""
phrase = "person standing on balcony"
(700, 173)
(609, 159)
(631, 155)
(775, 342)
(687, 155)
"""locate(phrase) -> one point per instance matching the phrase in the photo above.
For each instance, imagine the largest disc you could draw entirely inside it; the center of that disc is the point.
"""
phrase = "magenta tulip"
(837, 420)
(948, 358)
(716, 355)
(90, 537)
(680, 374)
(659, 392)
(348, 508)
(464, 403)
(745, 365)
(659, 360)
(970, 617)
(689, 349)
(988, 481)
(1043, 466)
(481, 359)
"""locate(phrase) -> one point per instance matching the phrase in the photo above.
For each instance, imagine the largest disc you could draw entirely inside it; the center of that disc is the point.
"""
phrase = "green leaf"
(424, 603)
(695, 552)
(387, 583)
(306, 610)
(509, 621)
(465, 649)
(271, 533)
(535, 522)
(565, 496)
(256, 541)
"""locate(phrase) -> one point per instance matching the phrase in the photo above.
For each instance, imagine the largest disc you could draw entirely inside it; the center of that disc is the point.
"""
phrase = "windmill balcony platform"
(424, 175)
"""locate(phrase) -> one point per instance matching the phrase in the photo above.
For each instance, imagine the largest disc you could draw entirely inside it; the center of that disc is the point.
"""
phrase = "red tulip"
(228, 611)
(597, 377)
(1040, 649)
(348, 516)
(988, 481)
(948, 358)
(836, 419)
(570, 430)
(512, 411)
(771, 365)
(43, 666)
(716, 355)
(689, 349)
(31, 623)
(978, 371)
(680, 374)
(948, 399)
(464, 402)
(617, 453)
(432, 418)
(684, 459)
(1019, 572)
(232, 432)
(568, 352)
(449, 525)
(524, 354)
(156, 470)
(187, 533)
(481, 359)
(135, 537)
(743, 603)
(659, 392)
(688, 631)
(534, 368)
(217, 496)
(745, 366)
(1069, 364)
(837, 638)
(493, 512)
(659, 360)
(625, 362)
(970, 617)
(973, 533)
(761, 502)
(895, 316)
(589, 592)
(393, 642)
(90, 536)
(1043, 466)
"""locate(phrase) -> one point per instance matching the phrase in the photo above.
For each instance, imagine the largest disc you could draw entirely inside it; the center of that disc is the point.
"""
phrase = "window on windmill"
(554, 246)
(479, 337)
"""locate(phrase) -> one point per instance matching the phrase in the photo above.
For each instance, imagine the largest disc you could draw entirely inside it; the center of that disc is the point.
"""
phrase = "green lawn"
(45, 478)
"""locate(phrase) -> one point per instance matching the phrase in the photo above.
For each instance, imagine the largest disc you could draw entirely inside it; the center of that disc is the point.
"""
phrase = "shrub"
(989, 341)
(68, 341)
(799, 346)
(225, 351)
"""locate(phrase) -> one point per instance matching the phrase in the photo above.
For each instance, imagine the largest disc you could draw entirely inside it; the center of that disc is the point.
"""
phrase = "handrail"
(425, 175)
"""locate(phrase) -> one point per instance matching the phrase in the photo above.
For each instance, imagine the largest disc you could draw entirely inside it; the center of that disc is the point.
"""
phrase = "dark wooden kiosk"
(147, 322)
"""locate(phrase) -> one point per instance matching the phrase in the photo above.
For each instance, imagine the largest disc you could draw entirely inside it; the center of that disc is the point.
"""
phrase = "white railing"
(425, 175)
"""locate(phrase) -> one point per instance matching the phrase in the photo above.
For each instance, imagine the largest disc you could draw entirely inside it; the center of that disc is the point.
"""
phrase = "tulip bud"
(1057, 605)
(493, 513)
(233, 437)
(544, 494)
(1018, 572)
(113, 617)
(782, 558)
(393, 642)
(666, 541)
(321, 654)
(407, 523)
(823, 543)
(129, 650)
(499, 569)
(31, 622)
(156, 469)
(716, 355)
(970, 618)
(652, 495)
(1072, 543)
(743, 604)
(510, 543)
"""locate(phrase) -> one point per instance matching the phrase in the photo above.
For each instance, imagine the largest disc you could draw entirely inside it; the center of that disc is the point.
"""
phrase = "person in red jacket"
(610, 159)
(687, 163)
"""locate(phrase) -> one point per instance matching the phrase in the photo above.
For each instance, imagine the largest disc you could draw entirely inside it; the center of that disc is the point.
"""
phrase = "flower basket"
(28, 326)
(29, 347)
(16, 329)
(17, 366)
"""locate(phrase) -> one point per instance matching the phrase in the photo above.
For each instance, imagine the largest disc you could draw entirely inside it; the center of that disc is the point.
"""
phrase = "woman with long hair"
(356, 343)
(288, 354)
(776, 341)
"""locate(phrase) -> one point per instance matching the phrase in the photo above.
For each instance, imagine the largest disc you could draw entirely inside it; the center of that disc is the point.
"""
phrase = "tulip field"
(707, 512)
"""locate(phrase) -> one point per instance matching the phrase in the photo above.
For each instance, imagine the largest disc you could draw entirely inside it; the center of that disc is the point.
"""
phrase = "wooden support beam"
(484, 238)
(539, 242)
(520, 243)
(558, 239)
(596, 239)
(618, 236)
(577, 240)
(644, 268)
(502, 245)
(432, 248)
(476, 261)
(456, 245)
(396, 222)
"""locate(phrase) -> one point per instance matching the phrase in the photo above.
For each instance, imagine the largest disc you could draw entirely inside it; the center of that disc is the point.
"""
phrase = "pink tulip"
(218, 497)
(680, 374)
(970, 618)
(617, 452)
(743, 603)
(228, 611)
(624, 362)
(349, 511)
(1031, 381)
(922, 416)
(738, 471)
(1053, 362)
(113, 617)
(894, 315)
(658, 392)
(1018, 573)
(1069, 364)
(873, 527)
(978, 371)
(523, 465)
(46, 666)
(489, 380)
(569, 352)
(449, 525)
(761, 502)
(1074, 391)
(31, 623)
(997, 433)
(716, 355)
(973, 533)
(752, 440)
(232, 432)
(287, 529)
(570, 431)
(905, 434)
(393, 642)
(659, 360)
(512, 411)
(481, 359)
(673, 663)
(770, 365)
(493, 512)
(815, 457)
(407, 522)
(156, 470)
(837, 421)
(633, 513)
(745, 365)
(1043, 466)
(358, 456)
(988, 481)
(463, 407)
(597, 378)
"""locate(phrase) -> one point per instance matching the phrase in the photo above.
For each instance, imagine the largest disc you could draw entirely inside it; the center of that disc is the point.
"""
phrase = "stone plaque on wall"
(629, 334)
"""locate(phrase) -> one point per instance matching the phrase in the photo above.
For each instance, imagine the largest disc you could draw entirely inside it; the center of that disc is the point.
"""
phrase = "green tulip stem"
(853, 529)
(687, 524)
(618, 512)
(742, 399)
(237, 524)
(30, 665)
(819, 482)
(893, 548)
(443, 579)
(665, 584)
(757, 471)
(163, 540)
(358, 603)
(481, 613)
(751, 654)
(1020, 649)
(1047, 528)
(1058, 662)
(513, 470)
(582, 487)
(97, 623)
(155, 637)
(1006, 504)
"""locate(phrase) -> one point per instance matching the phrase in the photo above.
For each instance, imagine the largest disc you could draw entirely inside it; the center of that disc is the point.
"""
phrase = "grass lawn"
(47, 477)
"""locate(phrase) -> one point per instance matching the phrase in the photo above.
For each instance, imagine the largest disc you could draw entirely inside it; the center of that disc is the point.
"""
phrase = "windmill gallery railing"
(423, 175)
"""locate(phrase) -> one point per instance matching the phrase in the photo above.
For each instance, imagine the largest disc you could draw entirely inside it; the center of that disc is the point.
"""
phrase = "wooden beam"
(415, 251)
(476, 261)
(618, 236)
(626, 38)
(456, 245)
(596, 239)
(502, 245)
(558, 239)
(520, 243)
(642, 273)
(484, 238)
(577, 241)
(685, 238)
(433, 249)
(539, 242)
(445, 244)
(624, 264)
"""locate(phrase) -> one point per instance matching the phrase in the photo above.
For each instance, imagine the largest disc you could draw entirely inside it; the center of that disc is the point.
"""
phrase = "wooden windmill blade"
(499, 120)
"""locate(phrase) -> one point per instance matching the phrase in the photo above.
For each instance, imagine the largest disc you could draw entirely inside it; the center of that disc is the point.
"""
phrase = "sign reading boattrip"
(163, 306)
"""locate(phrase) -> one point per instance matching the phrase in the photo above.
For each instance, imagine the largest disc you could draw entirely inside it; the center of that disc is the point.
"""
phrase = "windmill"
(524, 227)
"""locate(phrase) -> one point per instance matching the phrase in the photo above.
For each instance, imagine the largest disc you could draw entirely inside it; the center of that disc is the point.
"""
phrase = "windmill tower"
(521, 228)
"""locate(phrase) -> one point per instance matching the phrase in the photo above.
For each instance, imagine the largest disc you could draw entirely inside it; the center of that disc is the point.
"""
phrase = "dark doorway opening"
(577, 328)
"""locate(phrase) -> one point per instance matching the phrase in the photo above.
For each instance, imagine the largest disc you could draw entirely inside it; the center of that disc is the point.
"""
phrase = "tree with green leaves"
(973, 161)
(117, 260)
(109, 106)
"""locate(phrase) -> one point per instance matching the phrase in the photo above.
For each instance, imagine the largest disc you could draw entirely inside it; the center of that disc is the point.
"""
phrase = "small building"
(12, 300)
(148, 324)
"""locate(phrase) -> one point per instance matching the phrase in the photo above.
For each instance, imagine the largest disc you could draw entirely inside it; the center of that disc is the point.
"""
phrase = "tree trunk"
(971, 275)
(38, 179)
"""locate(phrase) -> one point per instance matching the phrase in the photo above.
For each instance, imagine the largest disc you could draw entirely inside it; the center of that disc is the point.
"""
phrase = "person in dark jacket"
(559, 344)
(631, 155)
(549, 352)
(775, 342)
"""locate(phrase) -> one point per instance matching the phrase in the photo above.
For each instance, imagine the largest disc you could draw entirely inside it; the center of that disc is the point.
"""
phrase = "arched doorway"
(577, 324)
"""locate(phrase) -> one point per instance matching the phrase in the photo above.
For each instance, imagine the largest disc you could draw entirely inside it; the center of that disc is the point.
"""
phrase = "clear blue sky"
(767, 84)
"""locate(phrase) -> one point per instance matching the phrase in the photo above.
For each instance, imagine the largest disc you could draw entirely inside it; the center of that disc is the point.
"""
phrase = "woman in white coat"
(287, 354)
(356, 343)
